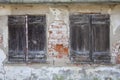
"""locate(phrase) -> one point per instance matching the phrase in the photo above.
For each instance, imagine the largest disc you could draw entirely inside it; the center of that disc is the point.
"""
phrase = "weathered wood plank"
(37, 38)
(101, 41)
(79, 37)
(16, 38)
(34, 36)
(89, 36)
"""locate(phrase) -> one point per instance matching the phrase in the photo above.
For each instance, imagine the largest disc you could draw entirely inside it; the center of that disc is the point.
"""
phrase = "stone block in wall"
(118, 59)
(116, 52)
(2, 76)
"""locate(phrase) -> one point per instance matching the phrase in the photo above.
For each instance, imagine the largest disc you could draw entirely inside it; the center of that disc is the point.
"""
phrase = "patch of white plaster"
(5, 10)
(115, 18)
(64, 73)
(107, 69)
(2, 57)
(56, 12)
(115, 23)
(4, 29)
(2, 77)
(17, 73)
(5, 38)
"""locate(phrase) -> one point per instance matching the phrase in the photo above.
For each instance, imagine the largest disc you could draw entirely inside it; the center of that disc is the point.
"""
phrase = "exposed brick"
(118, 59)
(58, 38)
(1, 38)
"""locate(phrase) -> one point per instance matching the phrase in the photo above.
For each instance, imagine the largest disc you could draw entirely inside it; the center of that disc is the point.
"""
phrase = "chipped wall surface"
(63, 73)
(58, 38)
(58, 66)
(116, 32)
(57, 34)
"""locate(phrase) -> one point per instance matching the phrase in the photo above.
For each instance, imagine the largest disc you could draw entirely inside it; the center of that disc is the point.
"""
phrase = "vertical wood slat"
(26, 34)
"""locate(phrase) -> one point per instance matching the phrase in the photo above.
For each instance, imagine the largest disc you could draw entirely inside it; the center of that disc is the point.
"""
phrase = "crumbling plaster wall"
(115, 35)
(58, 17)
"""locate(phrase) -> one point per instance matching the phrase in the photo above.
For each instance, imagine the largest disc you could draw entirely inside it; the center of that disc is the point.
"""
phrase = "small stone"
(118, 58)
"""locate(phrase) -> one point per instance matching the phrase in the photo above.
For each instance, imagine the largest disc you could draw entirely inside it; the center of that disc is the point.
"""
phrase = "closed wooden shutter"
(37, 38)
(100, 26)
(17, 38)
(89, 38)
(79, 38)
(27, 38)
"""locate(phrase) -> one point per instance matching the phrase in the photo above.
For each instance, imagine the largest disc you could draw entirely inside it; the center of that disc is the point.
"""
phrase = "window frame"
(26, 34)
(72, 56)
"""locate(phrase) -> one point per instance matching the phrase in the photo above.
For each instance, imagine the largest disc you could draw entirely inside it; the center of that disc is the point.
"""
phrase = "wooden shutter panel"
(16, 38)
(100, 37)
(37, 38)
(79, 38)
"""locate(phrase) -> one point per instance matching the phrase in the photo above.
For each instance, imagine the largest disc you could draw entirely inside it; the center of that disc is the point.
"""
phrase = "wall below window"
(58, 66)
(61, 73)
(83, 72)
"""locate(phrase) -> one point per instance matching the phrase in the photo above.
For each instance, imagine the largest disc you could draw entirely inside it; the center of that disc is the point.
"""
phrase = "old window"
(27, 38)
(89, 38)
